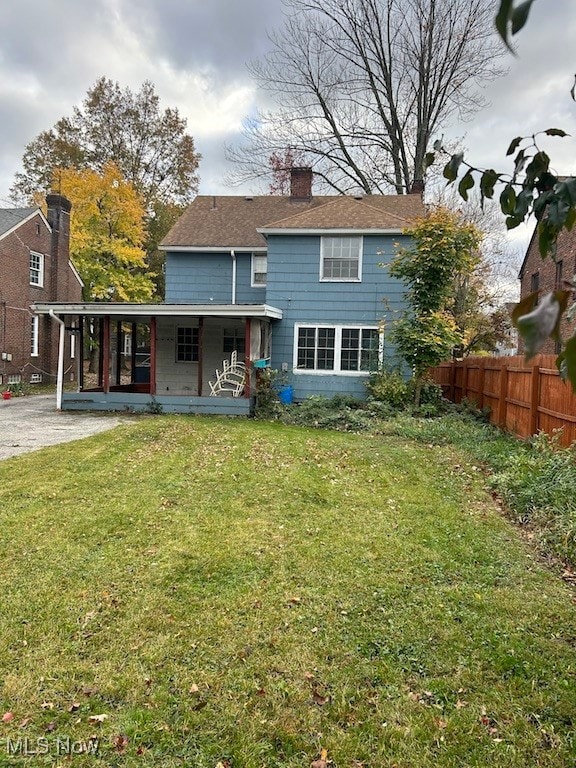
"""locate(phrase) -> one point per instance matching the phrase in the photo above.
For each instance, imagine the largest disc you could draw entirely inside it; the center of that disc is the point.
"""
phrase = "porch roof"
(127, 310)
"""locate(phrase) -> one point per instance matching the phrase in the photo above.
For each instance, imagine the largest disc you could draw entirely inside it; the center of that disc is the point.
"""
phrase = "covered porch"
(161, 357)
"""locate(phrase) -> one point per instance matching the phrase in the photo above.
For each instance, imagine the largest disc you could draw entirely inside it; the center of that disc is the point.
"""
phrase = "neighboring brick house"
(545, 275)
(34, 266)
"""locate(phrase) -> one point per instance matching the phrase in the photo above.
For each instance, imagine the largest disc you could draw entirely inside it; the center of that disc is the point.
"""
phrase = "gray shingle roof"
(232, 221)
(10, 217)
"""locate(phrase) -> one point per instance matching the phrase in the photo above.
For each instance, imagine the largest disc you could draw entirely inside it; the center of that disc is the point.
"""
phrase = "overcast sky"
(195, 52)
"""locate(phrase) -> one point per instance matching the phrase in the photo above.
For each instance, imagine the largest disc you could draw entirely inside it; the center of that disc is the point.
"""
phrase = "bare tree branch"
(360, 86)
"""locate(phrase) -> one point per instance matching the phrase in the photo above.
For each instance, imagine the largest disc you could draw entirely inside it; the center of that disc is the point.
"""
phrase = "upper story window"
(187, 345)
(259, 269)
(36, 269)
(558, 277)
(341, 259)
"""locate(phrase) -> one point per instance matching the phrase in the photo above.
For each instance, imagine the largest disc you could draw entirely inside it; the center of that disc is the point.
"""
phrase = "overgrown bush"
(389, 387)
(342, 412)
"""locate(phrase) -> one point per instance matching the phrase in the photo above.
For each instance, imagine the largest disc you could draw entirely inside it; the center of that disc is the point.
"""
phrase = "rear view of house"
(34, 266)
(297, 282)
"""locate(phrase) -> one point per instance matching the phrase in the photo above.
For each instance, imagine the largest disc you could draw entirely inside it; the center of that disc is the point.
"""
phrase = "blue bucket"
(286, 394)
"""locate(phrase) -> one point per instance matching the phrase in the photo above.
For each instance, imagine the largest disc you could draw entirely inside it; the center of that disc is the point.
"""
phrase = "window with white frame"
(336, 348)
(259, 269)
(187, 345)
(341, 259)
(36, 269)
(34, 336)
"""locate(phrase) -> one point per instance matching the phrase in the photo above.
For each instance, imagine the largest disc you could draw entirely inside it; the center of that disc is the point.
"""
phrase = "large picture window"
(341, 259)
(187, 345)
(336, 348)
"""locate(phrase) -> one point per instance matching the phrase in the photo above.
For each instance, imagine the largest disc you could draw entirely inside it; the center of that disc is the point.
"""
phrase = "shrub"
(389, 387)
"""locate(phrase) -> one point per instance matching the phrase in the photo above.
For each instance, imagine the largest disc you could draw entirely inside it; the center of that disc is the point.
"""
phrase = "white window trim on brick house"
(337, 348)
(333, 258)
(37, 269)
(34, 336)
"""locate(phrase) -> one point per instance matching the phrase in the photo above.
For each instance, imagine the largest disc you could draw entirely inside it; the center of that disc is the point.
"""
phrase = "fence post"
(534, 398)
(503, 395)
(481, 375)
(464, 393)
(452, 389)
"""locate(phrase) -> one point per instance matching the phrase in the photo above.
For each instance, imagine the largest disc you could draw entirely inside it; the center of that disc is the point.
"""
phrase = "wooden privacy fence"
(523, 398)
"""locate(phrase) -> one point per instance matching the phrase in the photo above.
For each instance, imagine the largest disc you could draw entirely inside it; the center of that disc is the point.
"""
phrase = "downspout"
(60, 375)
(233, 255)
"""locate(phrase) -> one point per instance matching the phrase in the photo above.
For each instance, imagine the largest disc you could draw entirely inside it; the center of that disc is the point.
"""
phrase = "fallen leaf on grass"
(74, 707)
(98, 718)
(50, 727)
(294, 600)
(25, 722)
(322, 761)
(120, 742)
(194, 689)
(7, 717)
(317, 698)
(47, 705)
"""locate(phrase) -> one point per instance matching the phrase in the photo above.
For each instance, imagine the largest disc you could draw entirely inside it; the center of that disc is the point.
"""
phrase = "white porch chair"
(231, 380)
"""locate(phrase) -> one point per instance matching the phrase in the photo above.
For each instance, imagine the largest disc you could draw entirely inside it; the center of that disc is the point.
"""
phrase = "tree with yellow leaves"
(107, 233)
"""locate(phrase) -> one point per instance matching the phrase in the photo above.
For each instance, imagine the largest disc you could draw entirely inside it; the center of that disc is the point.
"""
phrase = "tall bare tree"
(360, 87)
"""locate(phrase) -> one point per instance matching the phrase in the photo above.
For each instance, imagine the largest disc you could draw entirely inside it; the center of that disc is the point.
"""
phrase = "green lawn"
(205, 592)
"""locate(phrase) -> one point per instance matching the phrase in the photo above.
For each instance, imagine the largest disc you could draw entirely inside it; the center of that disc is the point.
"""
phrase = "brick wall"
(549, 274)
(16, 294)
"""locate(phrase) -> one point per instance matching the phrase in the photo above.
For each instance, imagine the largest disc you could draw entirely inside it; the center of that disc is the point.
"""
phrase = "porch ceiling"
(142, 311)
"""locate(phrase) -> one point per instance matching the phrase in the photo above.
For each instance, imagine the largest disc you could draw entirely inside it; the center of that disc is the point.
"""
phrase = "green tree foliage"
(148, 145)
(529, 188)
(107, 235)
(444, 247)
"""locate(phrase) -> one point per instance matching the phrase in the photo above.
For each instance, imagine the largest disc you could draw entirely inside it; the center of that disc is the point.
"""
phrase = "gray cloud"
(195, 52)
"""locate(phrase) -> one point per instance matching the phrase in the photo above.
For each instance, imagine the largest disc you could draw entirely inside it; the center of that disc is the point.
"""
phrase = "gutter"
(233, 255)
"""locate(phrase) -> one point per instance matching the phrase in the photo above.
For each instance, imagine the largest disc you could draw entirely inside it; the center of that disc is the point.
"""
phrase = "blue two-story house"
(294, 282)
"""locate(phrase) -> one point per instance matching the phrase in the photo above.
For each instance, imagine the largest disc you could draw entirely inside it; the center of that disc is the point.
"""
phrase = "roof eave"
(121, 309)
(265, 231)
(212, 248)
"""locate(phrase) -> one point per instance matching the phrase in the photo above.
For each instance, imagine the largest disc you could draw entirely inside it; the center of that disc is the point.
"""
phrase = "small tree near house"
(444, 247)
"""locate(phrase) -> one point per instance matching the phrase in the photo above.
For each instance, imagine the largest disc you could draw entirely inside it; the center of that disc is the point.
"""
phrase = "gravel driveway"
(29, 423)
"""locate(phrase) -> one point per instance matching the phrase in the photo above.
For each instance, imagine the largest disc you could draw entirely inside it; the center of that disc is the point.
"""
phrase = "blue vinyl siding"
(294, 286)
(206, 278)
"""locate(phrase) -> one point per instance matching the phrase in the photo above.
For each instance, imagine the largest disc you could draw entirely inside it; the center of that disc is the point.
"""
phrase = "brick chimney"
(417, 187)
(301, 184)
(59, 219)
